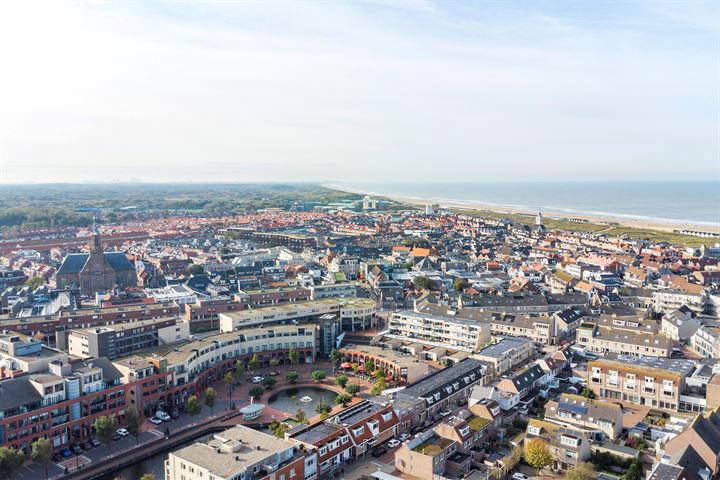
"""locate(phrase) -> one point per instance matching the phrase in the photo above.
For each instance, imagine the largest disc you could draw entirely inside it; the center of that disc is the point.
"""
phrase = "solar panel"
(573, 408)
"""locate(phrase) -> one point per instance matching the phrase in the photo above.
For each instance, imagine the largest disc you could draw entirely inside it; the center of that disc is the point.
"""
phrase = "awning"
(345, 365)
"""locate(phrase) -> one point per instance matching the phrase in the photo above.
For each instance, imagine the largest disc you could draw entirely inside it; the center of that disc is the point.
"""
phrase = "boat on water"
(306, 399)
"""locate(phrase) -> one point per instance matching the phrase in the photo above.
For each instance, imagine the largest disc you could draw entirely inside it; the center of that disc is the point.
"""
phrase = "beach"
(624, 220)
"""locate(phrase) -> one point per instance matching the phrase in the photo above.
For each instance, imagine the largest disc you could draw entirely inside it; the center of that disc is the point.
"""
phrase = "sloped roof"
(73, 263)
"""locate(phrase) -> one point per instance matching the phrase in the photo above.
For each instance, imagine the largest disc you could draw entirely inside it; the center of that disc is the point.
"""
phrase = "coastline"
(660, 225)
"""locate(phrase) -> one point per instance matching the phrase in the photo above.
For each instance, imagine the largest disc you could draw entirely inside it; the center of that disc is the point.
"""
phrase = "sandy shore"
(642, 223)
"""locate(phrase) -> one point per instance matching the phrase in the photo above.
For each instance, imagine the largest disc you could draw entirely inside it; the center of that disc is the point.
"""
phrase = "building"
(63, 402)
(429, 456)
(680, 325)
(652, 381)
(20, 354)
(441, 390)
(353, 313)
(585, 414)
(703, 434)
(96, 271)
(666, 301)
(402, 368)
(623, 341)
(569, 446)
(333, 290)
(239, 453)
(442, 331)
(507, 353)
(114, 341)
(706, 342)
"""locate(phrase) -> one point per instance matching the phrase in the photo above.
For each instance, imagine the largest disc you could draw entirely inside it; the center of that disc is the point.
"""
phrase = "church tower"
(97, 248)
(539, 220)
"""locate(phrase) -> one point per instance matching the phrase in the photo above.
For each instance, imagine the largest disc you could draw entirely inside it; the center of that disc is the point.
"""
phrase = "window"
(570, 441)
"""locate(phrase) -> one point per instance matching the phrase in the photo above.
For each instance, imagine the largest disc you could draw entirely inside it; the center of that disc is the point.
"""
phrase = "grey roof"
(505, 345)
(691, 461)
(437, 381)
(665, 471)
(73, 263)
(119, 261)
(16, 392)
(527, 378)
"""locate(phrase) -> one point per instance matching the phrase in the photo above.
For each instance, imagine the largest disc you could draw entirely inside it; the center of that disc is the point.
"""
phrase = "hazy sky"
(446, 90)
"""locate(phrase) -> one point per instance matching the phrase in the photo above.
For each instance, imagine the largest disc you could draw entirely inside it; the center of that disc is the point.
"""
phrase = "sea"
(696, 202)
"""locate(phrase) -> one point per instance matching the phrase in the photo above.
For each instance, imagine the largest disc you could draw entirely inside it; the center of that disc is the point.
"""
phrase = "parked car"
(155, 421)
(87, 445)
(65, 452)
(162, 416)
(404, 437)
(77, 449)
(122, 432)
(394, 442)
(446, 412)
(257, 379)
(174, 414)
(379, 451)
(95, 442)
(57, 457)
(519, 476)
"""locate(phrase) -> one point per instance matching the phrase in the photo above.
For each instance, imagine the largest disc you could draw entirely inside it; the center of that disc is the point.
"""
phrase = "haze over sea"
(662, 201)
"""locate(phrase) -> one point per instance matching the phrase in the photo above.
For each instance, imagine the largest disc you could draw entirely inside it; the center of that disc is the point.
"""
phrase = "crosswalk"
(155, 432)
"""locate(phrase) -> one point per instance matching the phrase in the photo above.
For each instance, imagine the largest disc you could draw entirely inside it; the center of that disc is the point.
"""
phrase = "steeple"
(96, 235)
(539, 219)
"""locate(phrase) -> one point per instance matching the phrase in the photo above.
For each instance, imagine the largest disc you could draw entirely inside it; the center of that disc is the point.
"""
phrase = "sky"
(359, 91)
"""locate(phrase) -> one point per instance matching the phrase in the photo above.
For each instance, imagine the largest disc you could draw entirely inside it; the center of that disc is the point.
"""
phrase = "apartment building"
(622, 341)
(666, 301)
(20, 354)
(209, 358)
(334, 290)
(706, 342)
(652, 381)
(443, 389)
(442, 331)
(400, 367)
(507, 353)
(585, 414)
(272, 296)
(354, 314)
(63, 402)
(115, 341)
(239, 453)
(351, 434)
(541, 329)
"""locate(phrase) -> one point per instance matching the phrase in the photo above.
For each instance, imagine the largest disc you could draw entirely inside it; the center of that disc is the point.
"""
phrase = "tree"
(379, 386)
(300, 416)
(274, 362)
(369, 366)
(343, 399)
(341, 380)
(239, 371)
(11, 461)
(352, 389)
(209, 397)
(35, 282)
(460, 284)
(194, 269)
(587, 393)
(278, 428)
(379, 373)
(323, 407)
(42, 453)
(537, 454)
(318, 376)
(268, 382)
(254, 362)
(256, 391)
(192, 406)
(292, 376)
(634, 472)
(134, 421)
(584, 471)
(422, 282)
(293, 355)
(105, 429)
(335, 357)
(229, 378)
